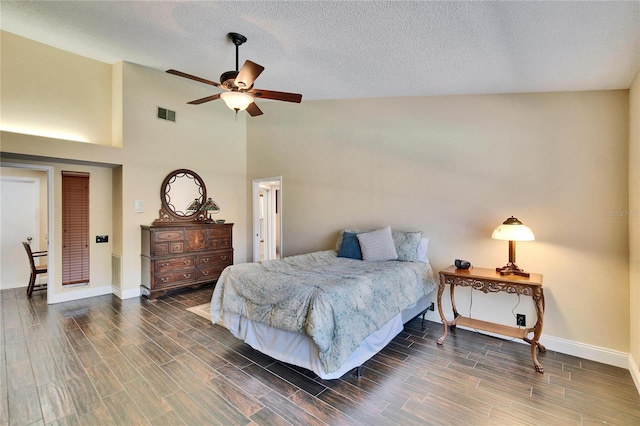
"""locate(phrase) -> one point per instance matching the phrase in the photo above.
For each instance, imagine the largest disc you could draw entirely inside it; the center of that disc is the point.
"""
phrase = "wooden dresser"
(184, 255)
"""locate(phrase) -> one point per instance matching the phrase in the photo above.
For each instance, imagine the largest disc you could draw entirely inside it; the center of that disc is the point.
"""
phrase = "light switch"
(138, 206)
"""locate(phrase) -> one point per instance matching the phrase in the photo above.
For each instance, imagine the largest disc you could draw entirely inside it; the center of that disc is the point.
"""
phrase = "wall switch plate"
(521, 320)
(102, 238)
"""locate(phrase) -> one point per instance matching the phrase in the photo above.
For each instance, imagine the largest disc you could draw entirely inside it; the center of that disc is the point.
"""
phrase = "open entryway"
(267, 218)
(25, 215)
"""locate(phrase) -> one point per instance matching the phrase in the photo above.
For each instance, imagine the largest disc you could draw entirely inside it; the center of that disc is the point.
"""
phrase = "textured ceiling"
(337, 50)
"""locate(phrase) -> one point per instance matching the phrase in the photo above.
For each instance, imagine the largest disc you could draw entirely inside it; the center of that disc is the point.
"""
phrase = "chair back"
(27, 247)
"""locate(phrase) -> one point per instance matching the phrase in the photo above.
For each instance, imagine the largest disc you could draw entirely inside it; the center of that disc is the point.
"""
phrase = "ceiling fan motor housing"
(227, 79)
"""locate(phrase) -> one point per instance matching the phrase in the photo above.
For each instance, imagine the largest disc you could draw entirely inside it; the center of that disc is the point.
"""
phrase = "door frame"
(51, 267)
(255, 207)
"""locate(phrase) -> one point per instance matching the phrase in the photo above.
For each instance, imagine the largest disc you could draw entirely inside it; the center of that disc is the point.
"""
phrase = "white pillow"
(377, 246)
(422, 250)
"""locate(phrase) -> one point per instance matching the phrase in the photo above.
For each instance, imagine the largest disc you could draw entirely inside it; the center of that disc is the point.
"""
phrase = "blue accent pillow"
(350, 246)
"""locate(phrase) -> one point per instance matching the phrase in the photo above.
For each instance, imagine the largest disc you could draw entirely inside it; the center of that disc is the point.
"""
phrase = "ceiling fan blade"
(193, 77)
(278, 96)
(203, 100)
(253, 109)
(248, 73)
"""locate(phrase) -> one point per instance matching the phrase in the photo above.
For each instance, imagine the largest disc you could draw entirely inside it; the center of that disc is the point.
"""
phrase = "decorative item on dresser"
(184, 255)
(183, 248)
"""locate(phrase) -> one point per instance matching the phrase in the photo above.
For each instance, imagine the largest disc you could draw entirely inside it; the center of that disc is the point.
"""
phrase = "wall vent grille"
(116, 271)
(166, 114)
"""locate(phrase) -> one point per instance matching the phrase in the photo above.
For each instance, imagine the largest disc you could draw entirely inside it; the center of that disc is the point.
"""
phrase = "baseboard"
(635, 373)
(128, 294)
(582, 350)
(78, 294)
(590, 352)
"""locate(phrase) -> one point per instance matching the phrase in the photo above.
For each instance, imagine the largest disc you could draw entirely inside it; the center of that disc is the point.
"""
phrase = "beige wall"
(53, 93)
(455, 167)
(634, 218)
(204, 138)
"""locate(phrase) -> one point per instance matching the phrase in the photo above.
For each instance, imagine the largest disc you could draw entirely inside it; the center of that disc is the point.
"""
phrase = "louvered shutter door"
(75, 228)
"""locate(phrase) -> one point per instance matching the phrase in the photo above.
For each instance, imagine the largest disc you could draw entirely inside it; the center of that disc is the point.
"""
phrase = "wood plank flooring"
(103, 361)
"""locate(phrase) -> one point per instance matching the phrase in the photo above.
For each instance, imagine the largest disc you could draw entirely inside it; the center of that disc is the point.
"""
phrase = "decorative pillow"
(350, 246)
(406, 244)
(422, 250)
(377, 246)
(340, 236)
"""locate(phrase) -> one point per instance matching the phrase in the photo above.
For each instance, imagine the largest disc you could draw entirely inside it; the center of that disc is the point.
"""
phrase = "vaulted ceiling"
(345, 49)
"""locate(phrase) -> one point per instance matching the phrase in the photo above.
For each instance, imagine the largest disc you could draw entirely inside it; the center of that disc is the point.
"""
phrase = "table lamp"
(209, 207)
(193, 206)
(512, 230)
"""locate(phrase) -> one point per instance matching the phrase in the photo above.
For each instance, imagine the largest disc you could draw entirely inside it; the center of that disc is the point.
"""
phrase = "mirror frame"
(168, 213)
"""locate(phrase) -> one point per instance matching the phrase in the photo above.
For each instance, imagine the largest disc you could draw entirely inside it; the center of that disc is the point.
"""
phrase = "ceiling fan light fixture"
(236, 101)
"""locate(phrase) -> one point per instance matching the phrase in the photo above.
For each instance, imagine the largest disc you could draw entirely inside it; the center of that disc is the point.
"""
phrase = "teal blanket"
(336, 301)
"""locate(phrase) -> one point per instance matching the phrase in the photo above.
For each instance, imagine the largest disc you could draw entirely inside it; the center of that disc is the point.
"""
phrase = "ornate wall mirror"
(182, 195)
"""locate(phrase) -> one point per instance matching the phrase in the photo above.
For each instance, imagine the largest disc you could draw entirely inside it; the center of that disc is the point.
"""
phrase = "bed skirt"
(300, 350)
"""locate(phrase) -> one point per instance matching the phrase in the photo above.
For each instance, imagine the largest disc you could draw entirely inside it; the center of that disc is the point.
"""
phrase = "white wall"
(455, 167)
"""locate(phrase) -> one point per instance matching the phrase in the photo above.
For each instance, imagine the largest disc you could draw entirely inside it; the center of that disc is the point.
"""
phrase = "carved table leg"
(538, 299)
(452, 324)
(442, 317)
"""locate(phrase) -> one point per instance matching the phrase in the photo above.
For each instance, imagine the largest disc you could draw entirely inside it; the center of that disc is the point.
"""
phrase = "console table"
(490, 281)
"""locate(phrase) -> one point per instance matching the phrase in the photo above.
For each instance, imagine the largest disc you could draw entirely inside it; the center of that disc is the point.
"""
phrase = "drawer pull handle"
(164, 265)
(223, 257)
(164, 279)
(187, 262)
(205, 272)
(187, 275)
(205, 260)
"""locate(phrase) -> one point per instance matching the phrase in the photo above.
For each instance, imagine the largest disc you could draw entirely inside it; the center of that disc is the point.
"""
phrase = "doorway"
(31, 188)
(267, 218)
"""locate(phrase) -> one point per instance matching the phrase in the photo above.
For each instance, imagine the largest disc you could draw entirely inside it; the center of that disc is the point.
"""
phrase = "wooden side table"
(490, 281)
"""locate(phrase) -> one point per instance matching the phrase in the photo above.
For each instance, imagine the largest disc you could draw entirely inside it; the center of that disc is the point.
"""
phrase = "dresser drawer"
(220, 258)
(175, 235)
(224, 232)
(219, 243)
(174, 264)
(174, 278)
(170, 247)
(212, 273)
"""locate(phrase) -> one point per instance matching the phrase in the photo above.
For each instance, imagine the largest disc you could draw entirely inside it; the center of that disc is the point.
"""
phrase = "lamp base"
(512, 269)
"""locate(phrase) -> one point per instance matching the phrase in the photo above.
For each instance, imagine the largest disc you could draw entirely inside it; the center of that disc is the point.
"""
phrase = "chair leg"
(32, 281)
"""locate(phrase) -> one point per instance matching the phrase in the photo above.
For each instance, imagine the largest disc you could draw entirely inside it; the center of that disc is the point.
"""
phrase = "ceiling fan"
(238, 84)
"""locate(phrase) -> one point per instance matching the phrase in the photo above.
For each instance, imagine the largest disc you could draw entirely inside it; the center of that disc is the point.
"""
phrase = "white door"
(19, 216)
(267, 218)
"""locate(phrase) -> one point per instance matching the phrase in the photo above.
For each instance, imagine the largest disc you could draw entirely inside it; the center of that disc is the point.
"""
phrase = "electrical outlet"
(431, 307)
(521, 320)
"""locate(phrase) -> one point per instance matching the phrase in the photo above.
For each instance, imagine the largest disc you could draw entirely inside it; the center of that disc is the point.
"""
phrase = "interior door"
(267, 218)
(19, 217)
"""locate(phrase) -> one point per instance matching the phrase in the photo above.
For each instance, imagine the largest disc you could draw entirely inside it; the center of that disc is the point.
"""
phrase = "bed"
(327, 311)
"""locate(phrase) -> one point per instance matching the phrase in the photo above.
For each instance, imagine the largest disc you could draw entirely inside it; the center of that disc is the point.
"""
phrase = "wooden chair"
(35, 269)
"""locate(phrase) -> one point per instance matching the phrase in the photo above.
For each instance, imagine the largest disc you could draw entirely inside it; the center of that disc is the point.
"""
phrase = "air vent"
(116, 271)
(166, 114)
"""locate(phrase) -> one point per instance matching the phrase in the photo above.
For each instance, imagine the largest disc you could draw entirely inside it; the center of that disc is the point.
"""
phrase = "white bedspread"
(336, 301)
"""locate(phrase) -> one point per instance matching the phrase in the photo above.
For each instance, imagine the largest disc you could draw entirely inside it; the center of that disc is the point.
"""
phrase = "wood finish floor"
(133, 362)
